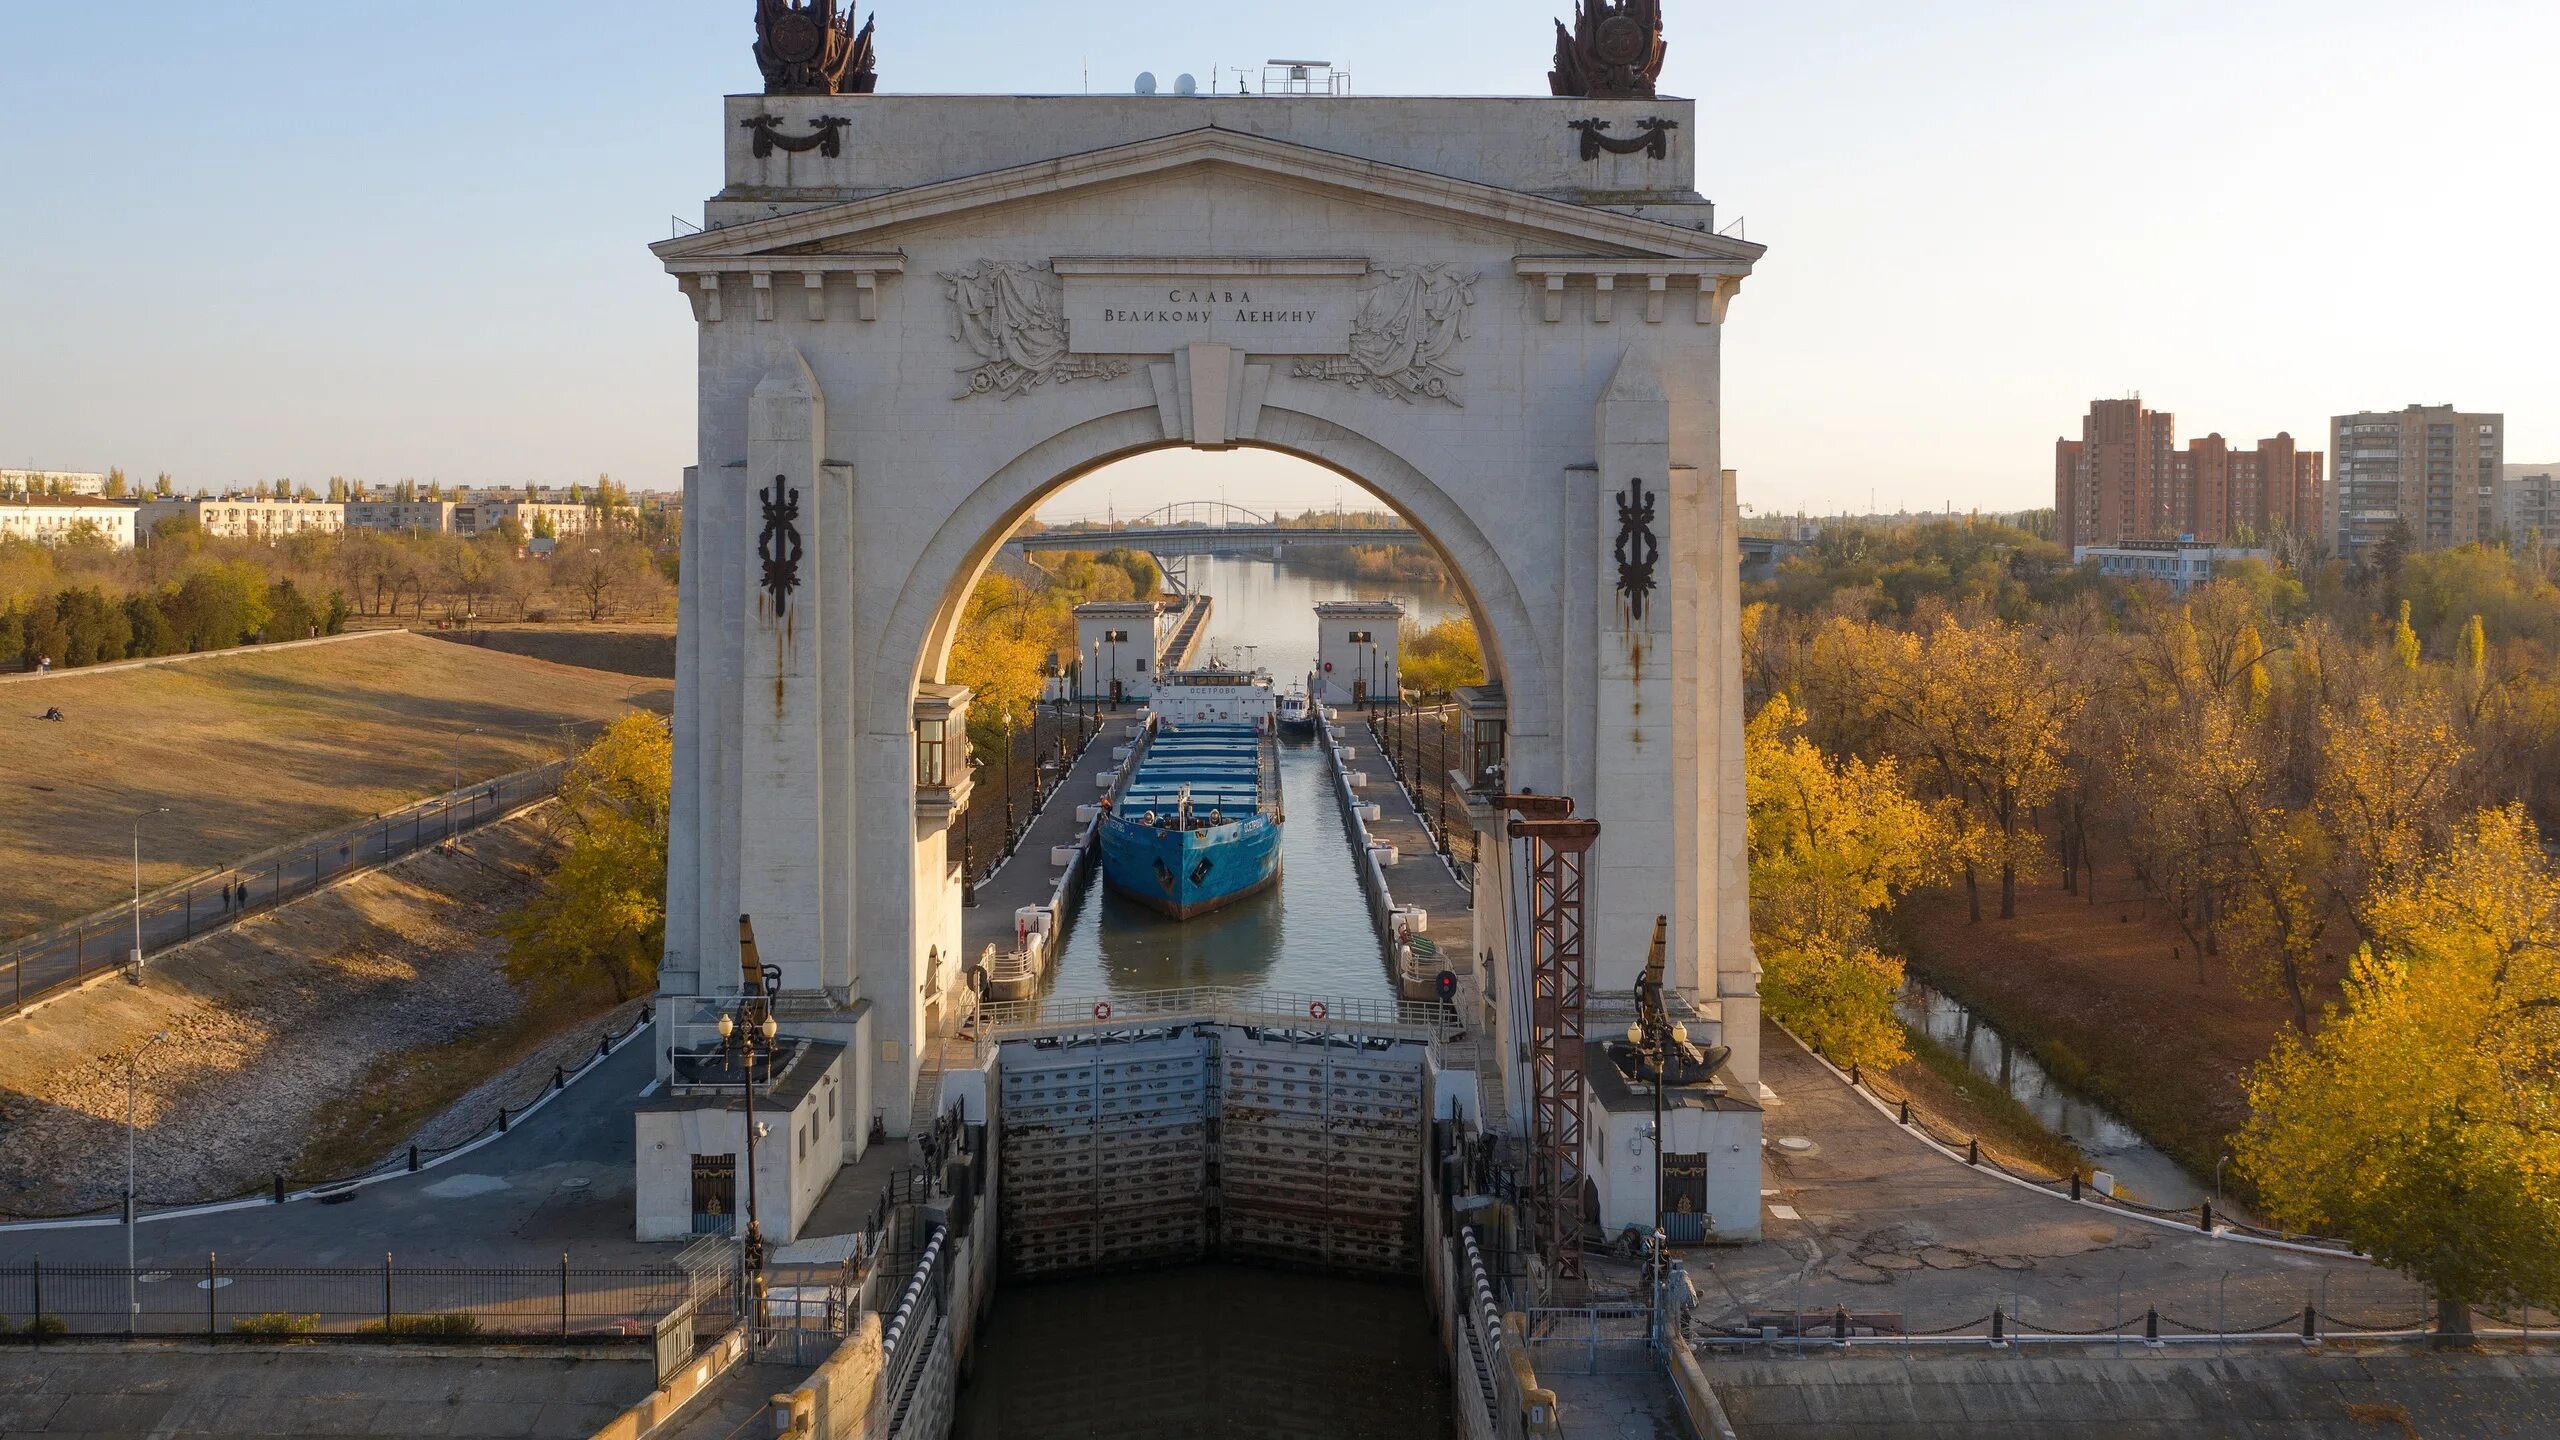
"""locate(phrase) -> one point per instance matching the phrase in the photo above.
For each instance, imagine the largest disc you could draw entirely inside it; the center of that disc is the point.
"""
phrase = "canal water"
(1207, 1350)
(2140, 1171)
(1310, 933)
(1211, 1350)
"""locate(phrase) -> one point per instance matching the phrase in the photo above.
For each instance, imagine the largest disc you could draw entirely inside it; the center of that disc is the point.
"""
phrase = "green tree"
(219, 606)
(600, 917)
(2422, 1121)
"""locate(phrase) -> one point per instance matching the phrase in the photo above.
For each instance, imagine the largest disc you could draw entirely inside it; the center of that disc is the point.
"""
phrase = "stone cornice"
(1376, 182)
(1605, 278)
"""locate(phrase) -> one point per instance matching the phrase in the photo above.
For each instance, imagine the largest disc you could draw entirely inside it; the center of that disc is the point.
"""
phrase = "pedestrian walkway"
(1860, 1216)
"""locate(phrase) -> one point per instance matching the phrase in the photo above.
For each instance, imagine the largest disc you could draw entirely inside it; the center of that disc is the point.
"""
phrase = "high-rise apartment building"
(2126, 479)
(2431, 468)
(2529, 503)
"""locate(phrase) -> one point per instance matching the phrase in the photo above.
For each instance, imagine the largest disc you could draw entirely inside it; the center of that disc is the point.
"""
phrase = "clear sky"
(258, 238)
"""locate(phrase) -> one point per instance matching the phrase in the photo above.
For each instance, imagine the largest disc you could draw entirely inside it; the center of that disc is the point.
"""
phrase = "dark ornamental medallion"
(1613, 52)
(779, 546)
(805, 48)
(1652, 138)
(1636, 550)
(826, 136)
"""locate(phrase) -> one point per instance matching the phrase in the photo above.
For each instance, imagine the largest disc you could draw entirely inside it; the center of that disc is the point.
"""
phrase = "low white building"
(1117, 641)
(2182, 565)
(480, 517)
(692, 1148)
(246, 516)
(401, 517)
(1356, 655)
(1710, 1156)
(40, 482)
(53, 521)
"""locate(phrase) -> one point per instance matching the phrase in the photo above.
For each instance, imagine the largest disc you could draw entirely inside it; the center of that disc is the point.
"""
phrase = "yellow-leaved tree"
(600, 918)
(2423, 1121)
(1438, 660)
(1832, 842)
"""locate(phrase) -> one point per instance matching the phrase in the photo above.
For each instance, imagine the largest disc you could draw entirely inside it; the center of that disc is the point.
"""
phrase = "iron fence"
(61, 956)
(2229, 1306)
(411, 1159)
(390, 1301)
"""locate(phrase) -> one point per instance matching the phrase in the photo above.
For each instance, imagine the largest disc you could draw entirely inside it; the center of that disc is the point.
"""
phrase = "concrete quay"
(123, 1392)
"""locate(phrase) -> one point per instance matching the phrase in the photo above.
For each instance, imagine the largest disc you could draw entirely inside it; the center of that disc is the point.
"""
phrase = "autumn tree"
(600, 917)
(2422, 1122)
(1432, 663)
(1979, 711)
(1832, 842)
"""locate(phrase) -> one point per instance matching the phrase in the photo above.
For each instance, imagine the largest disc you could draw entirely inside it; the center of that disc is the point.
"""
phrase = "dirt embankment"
(2111, 1001)
(275, 1031)
(226, 756)
(645, 650)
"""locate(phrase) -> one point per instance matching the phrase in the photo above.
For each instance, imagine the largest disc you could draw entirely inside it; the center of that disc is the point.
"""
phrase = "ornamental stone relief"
(1010, 317)
(1388, 330)
(1410, 319)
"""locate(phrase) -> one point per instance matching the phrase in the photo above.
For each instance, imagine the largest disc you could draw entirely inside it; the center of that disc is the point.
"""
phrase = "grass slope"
(255, 749)
(2094, 994)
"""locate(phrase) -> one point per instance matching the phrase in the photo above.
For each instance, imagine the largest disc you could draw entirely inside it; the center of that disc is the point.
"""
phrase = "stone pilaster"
(783, 771)
(1633, 719)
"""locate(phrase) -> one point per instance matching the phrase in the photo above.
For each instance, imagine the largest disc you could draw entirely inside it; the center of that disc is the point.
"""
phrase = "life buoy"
(1101, 1009)
(1315, 1010)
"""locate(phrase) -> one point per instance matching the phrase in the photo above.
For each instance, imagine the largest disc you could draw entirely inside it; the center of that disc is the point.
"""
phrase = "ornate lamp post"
(1008, 782)
(747, 1035)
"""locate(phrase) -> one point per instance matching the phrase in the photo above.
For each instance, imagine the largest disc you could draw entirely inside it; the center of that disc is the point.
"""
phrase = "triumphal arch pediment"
(919, 315)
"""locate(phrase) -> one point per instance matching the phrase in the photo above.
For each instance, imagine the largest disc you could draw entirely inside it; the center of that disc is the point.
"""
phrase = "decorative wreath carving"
(1410, 319)
(1013, 318)
(827, 138)
(1653, 138)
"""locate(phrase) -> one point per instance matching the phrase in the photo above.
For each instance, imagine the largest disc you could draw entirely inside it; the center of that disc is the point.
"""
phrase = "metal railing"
(410, 1160)
(385, 1302)
(1219, 1004)
(65, 955)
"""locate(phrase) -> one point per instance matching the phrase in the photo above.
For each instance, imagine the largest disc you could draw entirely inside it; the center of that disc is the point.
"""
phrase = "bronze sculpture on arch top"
(805, 48)
(1613, 52)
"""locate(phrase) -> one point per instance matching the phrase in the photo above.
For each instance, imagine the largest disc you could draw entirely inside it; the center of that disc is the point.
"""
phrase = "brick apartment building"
(2126, 479)
(2432, 468)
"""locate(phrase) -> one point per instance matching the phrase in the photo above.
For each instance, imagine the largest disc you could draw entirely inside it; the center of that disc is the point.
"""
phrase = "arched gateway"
(921, 314)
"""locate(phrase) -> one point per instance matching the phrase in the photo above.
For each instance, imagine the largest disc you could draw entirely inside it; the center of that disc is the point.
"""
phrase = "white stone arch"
(922, 627)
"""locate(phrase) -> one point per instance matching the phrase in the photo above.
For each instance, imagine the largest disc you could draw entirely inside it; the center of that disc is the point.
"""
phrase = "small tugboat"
(1196, 824)
(1297, 713)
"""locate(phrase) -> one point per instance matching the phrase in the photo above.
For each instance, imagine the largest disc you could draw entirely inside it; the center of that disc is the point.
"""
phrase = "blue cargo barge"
(1197, 822)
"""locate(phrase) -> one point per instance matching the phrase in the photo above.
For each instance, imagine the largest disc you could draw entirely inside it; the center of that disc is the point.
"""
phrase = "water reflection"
(2111, 1145)
(1207, 1350)
(1309, 933)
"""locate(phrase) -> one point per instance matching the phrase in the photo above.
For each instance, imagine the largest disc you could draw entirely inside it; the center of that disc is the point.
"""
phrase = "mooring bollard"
(2204, 1216)
(279, 1189)
(1840, 1324)
(2151, 1326)
(2075, 1184)
(1973, 1152)
(2310, 1326)
(502, 1119)
(604, 1046)
(1857, 1074)
(1998, 1326)
(559, 1078)
(413, 1159)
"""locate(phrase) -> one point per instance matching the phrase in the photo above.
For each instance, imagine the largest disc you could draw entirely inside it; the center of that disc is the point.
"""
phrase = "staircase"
(1186, 636)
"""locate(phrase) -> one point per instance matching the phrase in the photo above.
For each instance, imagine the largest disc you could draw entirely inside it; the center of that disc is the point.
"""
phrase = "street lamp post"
(1008, 782)
(132, 1081)
(748, 1035)
(137, 888)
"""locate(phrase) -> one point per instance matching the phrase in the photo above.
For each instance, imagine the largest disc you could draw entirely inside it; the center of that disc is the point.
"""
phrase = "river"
(1212, 1350)
(2145, 1174)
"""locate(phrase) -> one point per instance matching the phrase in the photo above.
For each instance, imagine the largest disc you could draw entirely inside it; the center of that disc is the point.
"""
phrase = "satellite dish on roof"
(1146, 82)
(1185, 85)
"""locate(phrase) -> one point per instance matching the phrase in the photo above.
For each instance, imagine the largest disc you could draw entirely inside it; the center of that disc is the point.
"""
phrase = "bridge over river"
(1215, 527)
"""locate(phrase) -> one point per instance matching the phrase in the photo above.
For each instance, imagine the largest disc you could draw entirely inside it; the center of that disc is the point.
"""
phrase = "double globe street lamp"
(747, 1034)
